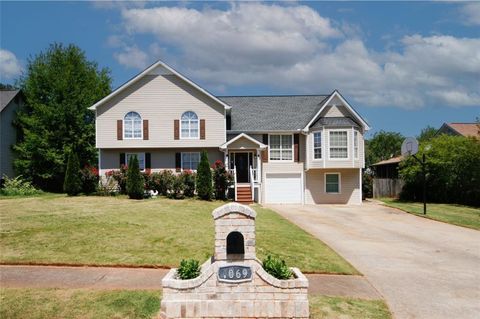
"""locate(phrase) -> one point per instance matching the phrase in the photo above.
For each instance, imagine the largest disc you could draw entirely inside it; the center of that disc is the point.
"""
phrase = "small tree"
(204, 178)
(72, 185)
(135, 180)
(220, 180)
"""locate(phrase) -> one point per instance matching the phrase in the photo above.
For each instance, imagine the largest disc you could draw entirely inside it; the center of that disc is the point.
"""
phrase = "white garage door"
(283, 188)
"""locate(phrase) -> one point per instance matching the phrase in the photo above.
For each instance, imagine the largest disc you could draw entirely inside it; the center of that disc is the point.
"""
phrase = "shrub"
(135, 181)
(89, 176)
(277, 267)
(188, 178)
(72, 184)
(177, 189)
(189, 269)
(163, 182)
(108, 186)
(204, 178)
(18, 187)
(121, 178)
(221, 180)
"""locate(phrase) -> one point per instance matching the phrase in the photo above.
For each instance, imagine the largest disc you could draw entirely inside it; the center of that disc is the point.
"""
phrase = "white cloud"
(10, 66)
(132, 57)
(295, 49)
(471, 13)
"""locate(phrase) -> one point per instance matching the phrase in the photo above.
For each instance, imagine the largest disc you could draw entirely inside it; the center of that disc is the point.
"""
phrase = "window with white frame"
(190, 125)
(140, 157)
(132, 126)
(338, 144)
(317, 145)
(332, 183)
(190, 160)
(281, 147)
(355, 144)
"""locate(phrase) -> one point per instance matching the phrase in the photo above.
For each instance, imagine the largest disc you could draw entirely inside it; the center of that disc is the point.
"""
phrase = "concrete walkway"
(151, 279)
(423, 268)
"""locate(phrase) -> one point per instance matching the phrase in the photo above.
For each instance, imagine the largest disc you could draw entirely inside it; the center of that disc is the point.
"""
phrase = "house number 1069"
(234, 273)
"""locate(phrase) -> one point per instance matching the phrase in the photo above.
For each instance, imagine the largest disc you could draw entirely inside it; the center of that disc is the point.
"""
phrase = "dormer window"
(132, 126)
(189, 125)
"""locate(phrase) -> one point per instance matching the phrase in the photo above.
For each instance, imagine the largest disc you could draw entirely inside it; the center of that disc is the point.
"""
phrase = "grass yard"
(85, 304)
(453, 214)
(161, 232)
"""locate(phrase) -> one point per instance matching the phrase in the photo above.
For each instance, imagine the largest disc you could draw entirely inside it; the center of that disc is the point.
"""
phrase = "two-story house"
(281, 149)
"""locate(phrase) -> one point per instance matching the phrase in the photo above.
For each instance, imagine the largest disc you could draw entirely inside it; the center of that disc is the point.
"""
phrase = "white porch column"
(259, 166)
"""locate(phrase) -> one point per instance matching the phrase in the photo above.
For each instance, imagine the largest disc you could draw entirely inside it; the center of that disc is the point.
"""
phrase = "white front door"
(283, 188)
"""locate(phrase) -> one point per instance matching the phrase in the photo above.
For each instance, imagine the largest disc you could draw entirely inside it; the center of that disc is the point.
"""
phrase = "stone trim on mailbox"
(246, 290)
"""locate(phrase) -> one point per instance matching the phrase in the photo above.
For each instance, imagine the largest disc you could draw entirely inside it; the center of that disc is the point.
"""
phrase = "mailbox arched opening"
(235, 245)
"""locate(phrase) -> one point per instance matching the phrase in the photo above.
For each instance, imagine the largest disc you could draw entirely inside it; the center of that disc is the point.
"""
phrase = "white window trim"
(339, 182)
(321, 146)
(144, 159)
(141, 128)
(198, 127)
(356, 138)
(181, 160)
(348, 145)
(270, 148)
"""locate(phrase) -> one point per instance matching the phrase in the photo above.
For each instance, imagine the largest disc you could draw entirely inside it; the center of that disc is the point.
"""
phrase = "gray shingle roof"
(335, 121)
(6, 97)
(272, 113)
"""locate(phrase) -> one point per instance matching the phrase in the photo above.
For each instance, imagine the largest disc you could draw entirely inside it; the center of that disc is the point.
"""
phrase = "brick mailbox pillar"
(233, 284)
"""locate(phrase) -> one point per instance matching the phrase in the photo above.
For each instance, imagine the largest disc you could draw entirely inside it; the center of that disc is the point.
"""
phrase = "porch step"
(244, 194)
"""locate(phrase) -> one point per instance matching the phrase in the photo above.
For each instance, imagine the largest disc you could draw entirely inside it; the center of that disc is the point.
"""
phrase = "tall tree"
(427, 133)
(383, 145)
(59, 85)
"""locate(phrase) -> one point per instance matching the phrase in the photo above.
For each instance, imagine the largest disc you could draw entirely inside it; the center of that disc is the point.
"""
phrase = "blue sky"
(403, 65)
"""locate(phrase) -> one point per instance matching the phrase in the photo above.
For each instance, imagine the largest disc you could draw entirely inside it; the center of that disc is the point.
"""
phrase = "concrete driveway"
(423, 268)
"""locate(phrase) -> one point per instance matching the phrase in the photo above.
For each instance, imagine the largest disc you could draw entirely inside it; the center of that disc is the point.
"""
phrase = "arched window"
(189, 127)
(132, 125)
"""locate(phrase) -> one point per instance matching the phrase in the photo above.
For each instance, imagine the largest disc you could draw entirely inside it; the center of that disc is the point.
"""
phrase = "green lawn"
(85, 304)
(452, 214)
(116, 230)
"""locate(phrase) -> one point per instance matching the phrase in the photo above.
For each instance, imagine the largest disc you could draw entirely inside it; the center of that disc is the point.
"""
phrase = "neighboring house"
(281, 149)
(462, 129)
(386, 182)
(10, 102)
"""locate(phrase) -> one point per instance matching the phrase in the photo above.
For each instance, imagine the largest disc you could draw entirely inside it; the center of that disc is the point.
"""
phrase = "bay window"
(317, 145)
(338, 144)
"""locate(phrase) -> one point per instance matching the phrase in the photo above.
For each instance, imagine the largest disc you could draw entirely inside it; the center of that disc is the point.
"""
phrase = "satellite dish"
(409, 146)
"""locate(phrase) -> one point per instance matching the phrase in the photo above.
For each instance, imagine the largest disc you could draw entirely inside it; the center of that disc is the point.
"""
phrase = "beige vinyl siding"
(325, 162)
(335, 111)
(350, 192)
(242, 143)
(161, 159)
(8, 137)
(160, 99)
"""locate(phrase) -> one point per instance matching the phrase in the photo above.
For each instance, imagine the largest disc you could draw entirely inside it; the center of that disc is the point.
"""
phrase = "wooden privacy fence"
(387, 187)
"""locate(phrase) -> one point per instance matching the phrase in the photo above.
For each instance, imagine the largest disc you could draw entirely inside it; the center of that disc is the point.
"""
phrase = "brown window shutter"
(178, 162)
(202, 129)
(119, 130)
(176, 129)
(295, 147)
(265, 151)
(145, 129)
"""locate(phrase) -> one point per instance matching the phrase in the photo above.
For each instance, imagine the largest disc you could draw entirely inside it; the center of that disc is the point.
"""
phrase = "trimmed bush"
(89, 176)
(135, 180)
(72, 185)
(17, 187)
(188, 178)
(221, 180)
(120, 177)
(178, 188)
(189, 269)
(204, 178)
(277, 267)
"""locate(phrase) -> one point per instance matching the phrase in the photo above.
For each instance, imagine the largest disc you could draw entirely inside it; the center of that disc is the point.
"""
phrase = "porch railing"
(252, 180)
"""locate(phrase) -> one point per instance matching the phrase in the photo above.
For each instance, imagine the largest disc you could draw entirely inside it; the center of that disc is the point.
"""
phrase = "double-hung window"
(190, 125)
(190, 160)
(281, 147)
(317, 145)
(140, 157)
(132, 126)
(355, 144)
(338, 144)
(332, 183)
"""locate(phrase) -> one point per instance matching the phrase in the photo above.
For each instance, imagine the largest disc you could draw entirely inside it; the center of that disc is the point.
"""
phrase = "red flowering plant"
(120, 176)
(89, 176)
(188, 179)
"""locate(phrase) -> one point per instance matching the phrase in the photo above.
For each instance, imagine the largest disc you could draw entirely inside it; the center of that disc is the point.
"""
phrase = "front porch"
(243, 160)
